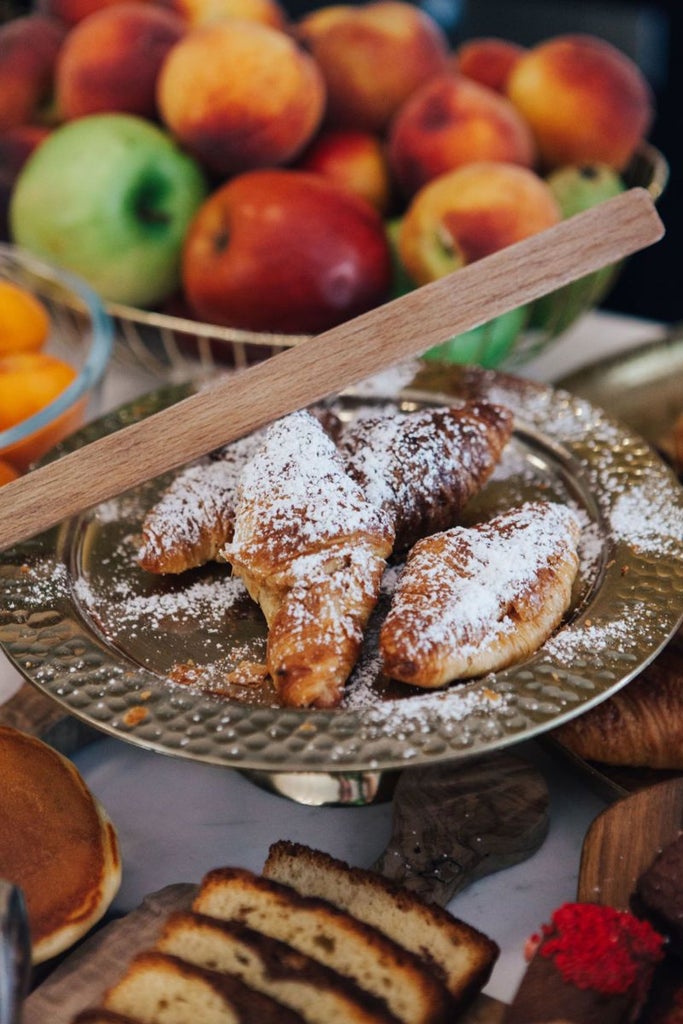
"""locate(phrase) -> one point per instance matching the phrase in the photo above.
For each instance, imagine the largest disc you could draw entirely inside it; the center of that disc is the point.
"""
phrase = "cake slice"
(413, 992)
(161, 989)
(315, 991)
(589, 964)
(462, 954)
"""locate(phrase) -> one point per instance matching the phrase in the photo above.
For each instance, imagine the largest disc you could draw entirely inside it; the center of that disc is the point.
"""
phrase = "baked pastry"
(389, 972)
(461, 954)
(315, 991)
(161, 989)
(57, 843)
(474, 600)
(590, 964)
(639, 726)
(194, 517)
(423, 467)
(311, 551)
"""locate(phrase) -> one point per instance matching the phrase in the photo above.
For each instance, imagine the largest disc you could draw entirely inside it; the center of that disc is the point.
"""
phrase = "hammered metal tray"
(151, 661)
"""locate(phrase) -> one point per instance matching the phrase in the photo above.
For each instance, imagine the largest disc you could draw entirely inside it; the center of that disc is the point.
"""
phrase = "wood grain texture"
(453, 825)
(237, 404)
(624, 840)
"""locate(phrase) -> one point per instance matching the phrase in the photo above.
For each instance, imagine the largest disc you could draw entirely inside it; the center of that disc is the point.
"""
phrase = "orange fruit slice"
(24, 320)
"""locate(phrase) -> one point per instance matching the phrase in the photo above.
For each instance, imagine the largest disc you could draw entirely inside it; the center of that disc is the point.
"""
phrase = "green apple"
(577, 188)
(109, 197)
(487, 345)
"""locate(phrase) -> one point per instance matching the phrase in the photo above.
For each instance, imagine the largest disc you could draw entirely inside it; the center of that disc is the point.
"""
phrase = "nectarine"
(285, 251)
(472, 212)
(585, 100)
(28, 52)
(111, 59)
(487, 60)
(373, 57)
(451, 121)
(201, 12)
(73, 11)
(240, 95)
(356, 160)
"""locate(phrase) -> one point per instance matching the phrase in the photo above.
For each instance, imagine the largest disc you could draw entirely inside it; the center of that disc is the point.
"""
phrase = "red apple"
(356, 160)
(285, 251)
(110, 60)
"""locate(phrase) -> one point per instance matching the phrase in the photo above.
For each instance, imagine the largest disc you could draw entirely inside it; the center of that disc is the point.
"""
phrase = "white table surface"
(177, 819)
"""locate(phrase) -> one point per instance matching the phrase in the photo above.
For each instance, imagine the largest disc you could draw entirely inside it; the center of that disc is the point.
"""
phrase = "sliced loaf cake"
(318, 993)
(464, 955)
(412, 990)
(161, 989)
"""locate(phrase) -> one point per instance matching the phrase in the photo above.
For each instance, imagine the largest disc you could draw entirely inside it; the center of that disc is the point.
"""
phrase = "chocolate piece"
(659, 893)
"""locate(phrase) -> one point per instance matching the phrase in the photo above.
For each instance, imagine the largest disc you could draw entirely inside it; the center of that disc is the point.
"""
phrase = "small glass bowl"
(81, 334)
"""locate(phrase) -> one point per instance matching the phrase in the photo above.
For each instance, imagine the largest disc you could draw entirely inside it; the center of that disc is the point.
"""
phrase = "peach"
(585, 100)
(28, 53)
(16, 146)
(372, 57)
(73, 11)
(487, 60)
(240, 95)
(201, 12)
(356, 160)
(472, 212)
(451, 121)
(111, 59)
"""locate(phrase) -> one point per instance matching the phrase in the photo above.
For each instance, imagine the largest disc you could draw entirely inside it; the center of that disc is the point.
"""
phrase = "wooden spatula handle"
(237, 404)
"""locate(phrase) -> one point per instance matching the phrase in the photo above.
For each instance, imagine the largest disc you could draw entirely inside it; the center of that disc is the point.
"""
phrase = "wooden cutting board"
(624, 840)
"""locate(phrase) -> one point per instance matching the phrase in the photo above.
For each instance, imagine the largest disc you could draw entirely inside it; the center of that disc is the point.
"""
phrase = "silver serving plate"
(75, 613)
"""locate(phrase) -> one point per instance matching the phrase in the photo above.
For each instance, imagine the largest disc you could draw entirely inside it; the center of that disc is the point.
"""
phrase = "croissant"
(194, 517)
(639, 726)
(311, 550)
(471, 601)
(423, 467)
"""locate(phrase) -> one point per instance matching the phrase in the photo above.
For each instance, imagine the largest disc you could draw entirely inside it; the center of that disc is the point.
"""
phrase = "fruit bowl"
(178, 349)
(81, 334)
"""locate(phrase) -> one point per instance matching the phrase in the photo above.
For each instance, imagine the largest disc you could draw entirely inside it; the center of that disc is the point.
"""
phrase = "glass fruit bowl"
(178, 349)
(81, 333)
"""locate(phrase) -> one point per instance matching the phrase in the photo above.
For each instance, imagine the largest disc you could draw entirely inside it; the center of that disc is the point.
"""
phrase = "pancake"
(56, 842)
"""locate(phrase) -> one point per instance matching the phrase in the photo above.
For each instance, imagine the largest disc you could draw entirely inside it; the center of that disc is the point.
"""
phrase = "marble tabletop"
(176, 819)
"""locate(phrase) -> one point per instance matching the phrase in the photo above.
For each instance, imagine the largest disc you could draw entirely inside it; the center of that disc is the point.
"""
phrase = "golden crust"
(471, 601)
(423, 467)
(56, 842)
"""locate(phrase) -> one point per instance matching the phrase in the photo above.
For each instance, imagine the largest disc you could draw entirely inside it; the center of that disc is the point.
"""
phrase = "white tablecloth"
(177, 819)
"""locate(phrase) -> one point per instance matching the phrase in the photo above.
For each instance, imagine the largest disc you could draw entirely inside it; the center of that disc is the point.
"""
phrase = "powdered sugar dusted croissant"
(471, 601)
(423, 467)
(194, 517)
(311, 551)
